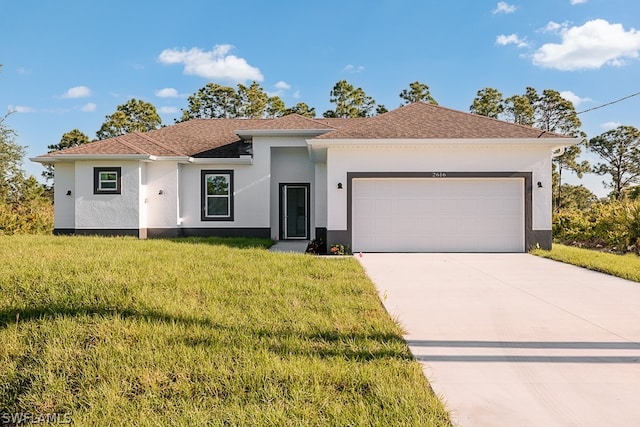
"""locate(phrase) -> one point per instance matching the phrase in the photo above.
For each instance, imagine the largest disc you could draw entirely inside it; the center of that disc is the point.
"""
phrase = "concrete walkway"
(298, 246)
(517, 340)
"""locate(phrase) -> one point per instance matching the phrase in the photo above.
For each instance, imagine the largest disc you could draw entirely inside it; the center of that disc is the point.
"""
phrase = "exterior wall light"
(68, 192)
(539, 184)
(339, 186)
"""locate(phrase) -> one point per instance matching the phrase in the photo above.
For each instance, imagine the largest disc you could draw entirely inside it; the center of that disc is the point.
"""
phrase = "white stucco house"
(416, 179)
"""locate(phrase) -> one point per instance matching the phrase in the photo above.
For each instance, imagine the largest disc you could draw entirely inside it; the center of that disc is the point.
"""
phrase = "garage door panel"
(438, 215)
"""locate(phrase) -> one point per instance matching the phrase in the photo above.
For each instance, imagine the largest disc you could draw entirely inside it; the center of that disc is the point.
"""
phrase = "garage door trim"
(530, 237)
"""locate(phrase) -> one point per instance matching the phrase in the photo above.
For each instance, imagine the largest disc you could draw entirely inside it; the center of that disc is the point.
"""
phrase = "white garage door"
(438, 215)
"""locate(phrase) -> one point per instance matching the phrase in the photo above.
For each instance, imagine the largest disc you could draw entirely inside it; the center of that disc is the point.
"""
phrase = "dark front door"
(294, 211)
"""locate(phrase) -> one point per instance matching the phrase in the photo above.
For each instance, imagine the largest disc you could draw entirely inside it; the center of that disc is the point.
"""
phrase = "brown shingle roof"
(427, 121)
(218, 138)
(198, 137)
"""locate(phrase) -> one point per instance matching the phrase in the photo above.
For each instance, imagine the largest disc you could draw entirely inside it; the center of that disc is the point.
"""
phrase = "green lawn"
(119, 331)
(625, 266)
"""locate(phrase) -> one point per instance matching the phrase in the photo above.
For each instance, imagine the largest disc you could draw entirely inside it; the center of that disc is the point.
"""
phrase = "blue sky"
(68, 64)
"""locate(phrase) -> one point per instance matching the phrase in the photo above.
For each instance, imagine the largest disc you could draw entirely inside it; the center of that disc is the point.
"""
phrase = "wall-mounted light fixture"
(161, 192)
(539, 184)
(339, 186)
(68, 192)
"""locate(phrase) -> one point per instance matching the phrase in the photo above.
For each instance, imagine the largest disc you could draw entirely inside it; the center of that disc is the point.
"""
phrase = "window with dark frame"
(217, 195)
(107, 180)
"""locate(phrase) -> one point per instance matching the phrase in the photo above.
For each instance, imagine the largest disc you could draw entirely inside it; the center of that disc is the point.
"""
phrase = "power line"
(610, 103)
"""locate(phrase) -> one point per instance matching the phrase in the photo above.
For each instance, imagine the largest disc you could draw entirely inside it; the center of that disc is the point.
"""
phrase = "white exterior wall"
(320, 195)
(438, 158)
(162, 209)
(115, 211)
(64, 206)
(290, 165)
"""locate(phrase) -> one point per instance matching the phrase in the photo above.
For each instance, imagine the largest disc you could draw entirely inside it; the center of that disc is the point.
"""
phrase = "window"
(107, 180)
(217, 195)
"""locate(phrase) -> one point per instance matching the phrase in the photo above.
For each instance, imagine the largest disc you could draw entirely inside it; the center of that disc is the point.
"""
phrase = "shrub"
(614, 225)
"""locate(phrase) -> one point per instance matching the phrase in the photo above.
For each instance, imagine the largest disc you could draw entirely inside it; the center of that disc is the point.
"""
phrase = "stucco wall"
(289, 165)
(162, 209)
(440, 158)
(119, 211)
(64, 206)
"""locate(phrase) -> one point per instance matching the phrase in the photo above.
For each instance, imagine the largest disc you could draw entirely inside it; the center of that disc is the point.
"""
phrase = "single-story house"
(416, 179)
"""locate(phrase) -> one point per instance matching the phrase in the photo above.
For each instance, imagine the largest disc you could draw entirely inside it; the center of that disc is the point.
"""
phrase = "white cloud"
(610, 125)
(283, 85)
(504, 40)
(575, 99)
(168, 110)
(590, 46)
(20, 109)
(215, 64)
(77, 92)
(23, 71)
(554, 27)
(574, 2)
(504, 7)
(89, 107)
(352, 69)
(296, 94)
(167, 92)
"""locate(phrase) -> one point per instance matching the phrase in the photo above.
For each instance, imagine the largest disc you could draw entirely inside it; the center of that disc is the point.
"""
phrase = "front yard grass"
(119, 331)
(625, 266)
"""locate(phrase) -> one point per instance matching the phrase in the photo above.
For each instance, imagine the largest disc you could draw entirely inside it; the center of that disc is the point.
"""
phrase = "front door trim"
(283, 211)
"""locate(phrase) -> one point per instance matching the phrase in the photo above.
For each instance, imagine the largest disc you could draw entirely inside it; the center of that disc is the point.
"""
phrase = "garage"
(438, 214)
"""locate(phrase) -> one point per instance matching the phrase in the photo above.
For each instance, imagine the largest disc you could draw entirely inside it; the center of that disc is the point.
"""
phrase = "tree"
(417, 92)
(350, 101)
(488, 102)
(302, 109)
(132, 116)
(381, 109)
(620, 151)
(252, 101)
(211, 102)
(550, 112)
(275, 107)
(70, 139)
(11, 155)
(577, 197)
(24, 207)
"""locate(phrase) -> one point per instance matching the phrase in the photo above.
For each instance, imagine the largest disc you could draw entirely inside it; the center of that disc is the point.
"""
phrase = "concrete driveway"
(517, 340)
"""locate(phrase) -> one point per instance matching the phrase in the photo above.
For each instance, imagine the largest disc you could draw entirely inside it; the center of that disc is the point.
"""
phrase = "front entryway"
(294, 211)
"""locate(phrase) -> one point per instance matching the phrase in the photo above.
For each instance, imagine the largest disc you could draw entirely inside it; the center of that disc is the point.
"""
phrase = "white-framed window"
(107, 180)
(217, 195)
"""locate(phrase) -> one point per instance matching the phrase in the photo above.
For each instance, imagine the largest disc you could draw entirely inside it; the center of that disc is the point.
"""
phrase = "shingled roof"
(219, 138)
(427, 121)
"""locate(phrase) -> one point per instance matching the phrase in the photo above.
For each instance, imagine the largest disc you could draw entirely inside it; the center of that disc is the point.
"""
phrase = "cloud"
(575, 99)
(283, 85)
(574, 2)
(77, 92)
(352, 69)
(20, 109)
(504, 40)
(590, 46)
(23, 71)
(168, 110)
(215, 64)
(504, 7)
(167, 92)
(89, 107)
(296, 94)
(610, 125)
